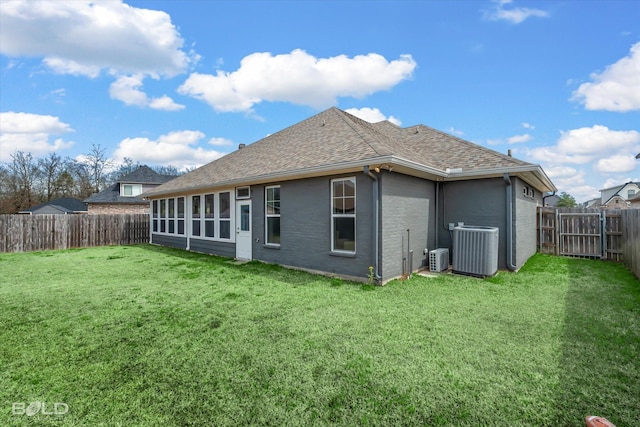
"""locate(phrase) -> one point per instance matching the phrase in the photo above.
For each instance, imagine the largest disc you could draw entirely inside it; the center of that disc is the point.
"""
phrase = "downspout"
(509, 193)
(436, 219)
(376, 222)
(548, 195)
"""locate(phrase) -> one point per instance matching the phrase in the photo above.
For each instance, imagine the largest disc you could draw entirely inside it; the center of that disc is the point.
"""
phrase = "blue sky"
(184, 82)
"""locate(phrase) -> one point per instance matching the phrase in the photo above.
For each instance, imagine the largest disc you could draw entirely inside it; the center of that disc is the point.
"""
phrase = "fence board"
(630, 227)
(25, 233)
(576, 232)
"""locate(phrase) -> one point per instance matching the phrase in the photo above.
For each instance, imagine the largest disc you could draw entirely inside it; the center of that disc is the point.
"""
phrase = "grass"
(150, 336)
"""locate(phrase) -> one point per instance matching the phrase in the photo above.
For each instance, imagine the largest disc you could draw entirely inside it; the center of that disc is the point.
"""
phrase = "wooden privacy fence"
(631, 239)
(589, 233)
(25, 233)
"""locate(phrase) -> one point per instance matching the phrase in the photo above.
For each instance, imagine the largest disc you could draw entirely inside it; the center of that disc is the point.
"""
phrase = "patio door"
(243, 229)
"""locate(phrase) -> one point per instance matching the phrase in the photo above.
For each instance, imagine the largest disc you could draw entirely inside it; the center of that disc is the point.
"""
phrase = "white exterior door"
(243, 229)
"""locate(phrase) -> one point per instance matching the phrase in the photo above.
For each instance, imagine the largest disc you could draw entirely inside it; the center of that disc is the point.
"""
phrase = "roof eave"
(534, 174)
(323, 170)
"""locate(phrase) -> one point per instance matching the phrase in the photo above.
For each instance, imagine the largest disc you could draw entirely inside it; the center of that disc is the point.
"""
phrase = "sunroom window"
(343, 214)
(225, 215)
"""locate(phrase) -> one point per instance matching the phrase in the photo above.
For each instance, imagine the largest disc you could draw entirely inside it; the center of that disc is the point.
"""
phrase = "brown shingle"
(333, 137)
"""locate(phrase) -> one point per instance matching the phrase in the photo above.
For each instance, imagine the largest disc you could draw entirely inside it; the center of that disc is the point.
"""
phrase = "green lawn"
(149, 336)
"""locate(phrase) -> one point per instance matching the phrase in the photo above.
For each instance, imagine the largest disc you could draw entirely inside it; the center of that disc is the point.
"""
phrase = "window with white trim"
(171, 222)
(154, 214)
(209, 216)
(130, 190)
(180, 201)
(195, 215)
(343, 215)
(630, 193)
(224, 210)
(168, 215)
(163, 215)
(272, 215)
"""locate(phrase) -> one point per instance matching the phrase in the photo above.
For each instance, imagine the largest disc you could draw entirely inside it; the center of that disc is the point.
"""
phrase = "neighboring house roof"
(618, 193)
(635, 199)
(59, 206)
(143, 175)
(334, 141)
(593, 203)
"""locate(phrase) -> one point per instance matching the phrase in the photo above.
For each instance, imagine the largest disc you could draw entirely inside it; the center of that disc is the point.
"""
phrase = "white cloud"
(617, 88)
(514, 15)
(606, 152)
(85, 37)
(31, 133)
(587, 144)
(519, 139)
(528, 125)
(179, 148)
(11, 122)
(616, 164)
(165, 103)
(127, 90)
(220, 142)
(597, 140)
(297, 77)
(372, 115)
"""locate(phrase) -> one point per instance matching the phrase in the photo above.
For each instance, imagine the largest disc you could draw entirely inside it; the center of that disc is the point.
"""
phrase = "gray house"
(125, 196)
(62, 206)
(337, 194)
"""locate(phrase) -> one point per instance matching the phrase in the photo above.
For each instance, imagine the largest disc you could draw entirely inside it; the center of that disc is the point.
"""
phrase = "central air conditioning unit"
(475, 250)
(439, 260)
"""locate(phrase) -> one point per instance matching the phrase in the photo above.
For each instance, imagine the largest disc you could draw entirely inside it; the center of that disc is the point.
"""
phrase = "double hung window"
(343, 215)
(272, 215)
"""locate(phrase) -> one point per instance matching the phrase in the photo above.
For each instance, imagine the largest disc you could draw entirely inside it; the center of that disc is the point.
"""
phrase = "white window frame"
(267, 215)
(160, 222)
(343, 215)
(239, 189)
(217, 220)
(136, 190)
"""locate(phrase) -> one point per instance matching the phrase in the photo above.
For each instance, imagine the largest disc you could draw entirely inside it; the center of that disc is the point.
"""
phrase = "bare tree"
(51, 167)
(22, 177)
(97, 163)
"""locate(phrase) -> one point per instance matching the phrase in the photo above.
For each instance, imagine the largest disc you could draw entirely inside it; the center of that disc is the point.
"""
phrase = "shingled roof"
(335, 141)
(143, 175)
(59, 206)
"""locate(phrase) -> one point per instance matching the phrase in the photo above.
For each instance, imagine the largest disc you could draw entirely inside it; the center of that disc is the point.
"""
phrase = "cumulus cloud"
(513, 15)
(127, 90)
(584, 145)
(519, 139)
(179, 148)
(297, 77)
(617, 88)
(85, 37)
(165, 103)
(608, 153)
(372, 115)
(31, 133)
(618, 163)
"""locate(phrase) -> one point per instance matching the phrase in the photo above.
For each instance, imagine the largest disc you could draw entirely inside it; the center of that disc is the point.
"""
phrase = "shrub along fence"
(25, 233)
